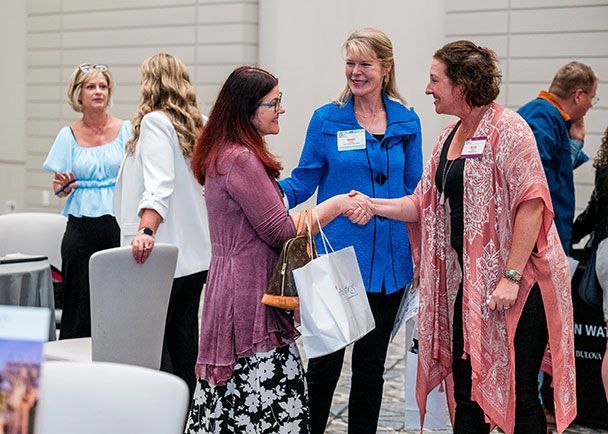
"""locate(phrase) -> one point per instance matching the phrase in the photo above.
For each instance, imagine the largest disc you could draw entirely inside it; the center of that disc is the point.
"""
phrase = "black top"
(379, 137)
(452, 173)
(595, 217)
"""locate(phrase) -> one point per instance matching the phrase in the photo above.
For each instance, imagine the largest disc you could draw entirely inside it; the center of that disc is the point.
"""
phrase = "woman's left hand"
(64, 183)
(504, 296)
(142, 246)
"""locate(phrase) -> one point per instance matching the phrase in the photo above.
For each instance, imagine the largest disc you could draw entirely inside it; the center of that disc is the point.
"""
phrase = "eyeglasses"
(594, 99)
(88, 67)
(276, 103)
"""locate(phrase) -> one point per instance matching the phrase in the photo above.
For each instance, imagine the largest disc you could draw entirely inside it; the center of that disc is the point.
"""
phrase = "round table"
(29, 284)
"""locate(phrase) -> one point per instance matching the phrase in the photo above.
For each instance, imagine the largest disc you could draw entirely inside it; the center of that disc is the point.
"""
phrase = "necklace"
(99, 130)
(444, 177)
(370, 116)
(448, 164)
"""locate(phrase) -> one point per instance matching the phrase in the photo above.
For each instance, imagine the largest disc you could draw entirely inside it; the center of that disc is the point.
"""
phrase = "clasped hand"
(577, 129)
(64, 183)
(504, 296)
(359, 208)
(141, 247)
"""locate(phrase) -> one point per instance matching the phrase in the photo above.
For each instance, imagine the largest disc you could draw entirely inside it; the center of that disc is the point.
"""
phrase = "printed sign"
(22, 332)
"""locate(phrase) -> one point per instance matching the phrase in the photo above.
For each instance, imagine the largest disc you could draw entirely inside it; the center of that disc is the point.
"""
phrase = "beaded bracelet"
(512, 275)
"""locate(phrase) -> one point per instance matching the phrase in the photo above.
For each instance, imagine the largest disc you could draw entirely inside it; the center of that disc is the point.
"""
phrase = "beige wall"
(533, 38)
(297, 40)
(211, 37)
(12, 110)
(301, 43)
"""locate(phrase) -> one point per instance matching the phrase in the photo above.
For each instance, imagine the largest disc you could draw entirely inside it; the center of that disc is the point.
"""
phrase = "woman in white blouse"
(157, 199)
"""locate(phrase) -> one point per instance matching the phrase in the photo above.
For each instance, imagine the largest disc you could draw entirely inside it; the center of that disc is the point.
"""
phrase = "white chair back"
(129, 304)
(103, 398)
(34, 233)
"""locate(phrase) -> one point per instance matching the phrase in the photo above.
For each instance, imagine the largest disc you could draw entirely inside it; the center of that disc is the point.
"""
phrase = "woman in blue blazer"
(366, 140)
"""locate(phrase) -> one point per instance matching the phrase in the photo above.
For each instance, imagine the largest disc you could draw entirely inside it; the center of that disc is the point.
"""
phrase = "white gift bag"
(408, 309)
(437, 415)
(334, 310)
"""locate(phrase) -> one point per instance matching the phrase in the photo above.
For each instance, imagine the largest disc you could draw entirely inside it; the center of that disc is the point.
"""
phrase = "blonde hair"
(376, 45)
(166, 86)
(573, 76)
(78, 78)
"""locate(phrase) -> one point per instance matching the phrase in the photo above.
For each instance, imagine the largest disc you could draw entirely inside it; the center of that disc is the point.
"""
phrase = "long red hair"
(230, 121)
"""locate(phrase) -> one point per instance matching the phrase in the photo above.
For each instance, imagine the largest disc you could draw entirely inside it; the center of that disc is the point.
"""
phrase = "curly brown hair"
(472, 67)
(601, 159)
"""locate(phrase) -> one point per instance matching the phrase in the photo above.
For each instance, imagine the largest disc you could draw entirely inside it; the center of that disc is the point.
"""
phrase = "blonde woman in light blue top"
(85, 159)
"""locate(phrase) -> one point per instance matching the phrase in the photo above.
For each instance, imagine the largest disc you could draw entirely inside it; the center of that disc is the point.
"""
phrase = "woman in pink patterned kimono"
(494, 281)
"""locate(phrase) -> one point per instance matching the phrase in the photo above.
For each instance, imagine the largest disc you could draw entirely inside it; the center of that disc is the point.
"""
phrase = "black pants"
(180, 348)
(369, 354)
(546, 392)
(530, 342)
(83, 237)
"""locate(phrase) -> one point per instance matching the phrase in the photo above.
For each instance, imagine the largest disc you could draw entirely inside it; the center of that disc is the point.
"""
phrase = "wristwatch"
(146, 231)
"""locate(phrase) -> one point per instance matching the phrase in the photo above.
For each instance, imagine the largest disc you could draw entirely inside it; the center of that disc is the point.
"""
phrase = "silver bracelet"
(512, 275)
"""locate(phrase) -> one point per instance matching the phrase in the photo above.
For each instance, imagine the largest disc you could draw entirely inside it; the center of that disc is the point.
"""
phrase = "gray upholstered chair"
(33, 233)
(129, 304)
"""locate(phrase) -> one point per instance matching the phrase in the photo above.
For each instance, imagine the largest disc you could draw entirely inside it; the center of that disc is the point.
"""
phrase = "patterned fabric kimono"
(508, 173)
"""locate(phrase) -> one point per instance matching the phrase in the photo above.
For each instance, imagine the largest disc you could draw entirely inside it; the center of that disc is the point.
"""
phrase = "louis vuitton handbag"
(296, 252)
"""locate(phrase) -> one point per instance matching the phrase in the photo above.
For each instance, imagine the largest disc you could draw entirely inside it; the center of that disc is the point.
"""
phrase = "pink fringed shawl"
(509, 173)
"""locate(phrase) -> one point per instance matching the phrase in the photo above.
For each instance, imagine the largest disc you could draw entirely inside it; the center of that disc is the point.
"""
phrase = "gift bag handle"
(322, 234)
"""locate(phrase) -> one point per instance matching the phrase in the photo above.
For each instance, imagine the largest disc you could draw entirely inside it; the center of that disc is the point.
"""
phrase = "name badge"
(351, 140)
(473, 148)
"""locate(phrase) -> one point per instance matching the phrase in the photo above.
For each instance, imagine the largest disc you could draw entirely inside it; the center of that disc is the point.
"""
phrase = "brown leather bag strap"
(301, 226)
(309, 220)
(310, 245)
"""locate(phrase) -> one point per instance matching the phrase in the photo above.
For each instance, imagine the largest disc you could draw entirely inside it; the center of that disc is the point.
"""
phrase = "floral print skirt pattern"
(266, 394)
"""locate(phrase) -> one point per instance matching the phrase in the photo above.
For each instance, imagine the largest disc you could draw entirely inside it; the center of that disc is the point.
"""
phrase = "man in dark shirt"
(557, 120)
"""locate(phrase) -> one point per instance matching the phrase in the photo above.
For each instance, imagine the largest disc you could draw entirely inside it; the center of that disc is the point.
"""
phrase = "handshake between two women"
(359, 208)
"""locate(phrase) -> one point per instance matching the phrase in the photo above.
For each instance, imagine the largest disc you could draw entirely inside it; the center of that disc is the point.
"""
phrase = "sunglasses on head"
(88, 67)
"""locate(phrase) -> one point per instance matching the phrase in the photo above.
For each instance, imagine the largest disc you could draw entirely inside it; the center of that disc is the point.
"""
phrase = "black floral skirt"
(266, 394)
